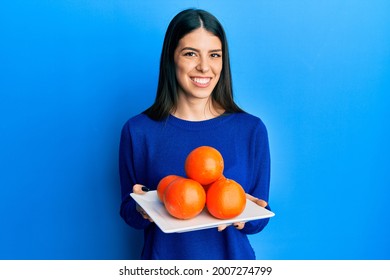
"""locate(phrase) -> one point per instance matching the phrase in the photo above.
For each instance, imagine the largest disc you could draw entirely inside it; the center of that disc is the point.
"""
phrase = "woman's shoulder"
(139, 122)
(247, 119)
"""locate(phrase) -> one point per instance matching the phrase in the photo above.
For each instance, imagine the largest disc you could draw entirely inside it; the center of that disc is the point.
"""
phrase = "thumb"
(256, 200)
(140, 189)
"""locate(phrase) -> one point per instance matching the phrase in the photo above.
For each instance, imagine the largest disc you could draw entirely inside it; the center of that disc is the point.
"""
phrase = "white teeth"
(201, 80)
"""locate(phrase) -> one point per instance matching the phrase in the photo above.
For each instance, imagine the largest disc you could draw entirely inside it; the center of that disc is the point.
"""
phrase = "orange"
(184, 198)
(163, 184)
(204, 164)
(206, 187)
(226, 199)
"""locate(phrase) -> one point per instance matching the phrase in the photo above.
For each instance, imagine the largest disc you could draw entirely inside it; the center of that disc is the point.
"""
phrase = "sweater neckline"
(198, 125)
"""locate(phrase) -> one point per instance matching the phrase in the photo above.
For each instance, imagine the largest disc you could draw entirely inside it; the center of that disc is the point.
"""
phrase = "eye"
(216, 55)
(189, 54)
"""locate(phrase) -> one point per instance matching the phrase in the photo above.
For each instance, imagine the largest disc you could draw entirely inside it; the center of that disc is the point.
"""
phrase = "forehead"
(200, 39)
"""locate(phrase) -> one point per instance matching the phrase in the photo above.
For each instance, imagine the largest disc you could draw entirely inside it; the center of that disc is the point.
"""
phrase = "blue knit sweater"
(150, 150)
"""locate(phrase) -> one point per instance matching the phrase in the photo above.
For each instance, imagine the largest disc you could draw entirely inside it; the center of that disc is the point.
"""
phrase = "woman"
(194, 106)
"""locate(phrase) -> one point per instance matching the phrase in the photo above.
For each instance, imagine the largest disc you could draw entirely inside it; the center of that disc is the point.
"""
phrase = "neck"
(197, 109)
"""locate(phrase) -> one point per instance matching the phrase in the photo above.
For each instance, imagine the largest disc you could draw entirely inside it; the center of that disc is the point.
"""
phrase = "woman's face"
(198, 61)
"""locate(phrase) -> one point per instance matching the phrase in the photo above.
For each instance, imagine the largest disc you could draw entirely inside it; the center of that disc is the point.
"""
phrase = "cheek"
(181, 69)
(217, 69)
(180, 74)
(218, 72)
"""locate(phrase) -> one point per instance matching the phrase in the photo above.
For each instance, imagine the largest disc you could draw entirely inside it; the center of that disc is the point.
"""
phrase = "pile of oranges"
(204, 186)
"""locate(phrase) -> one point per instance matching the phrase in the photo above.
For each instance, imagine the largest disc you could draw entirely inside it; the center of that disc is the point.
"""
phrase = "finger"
(147, 217)
(239, 225)
(256, 200)
(143, 213)
(222, 227)
(261, 203)
(139, 189)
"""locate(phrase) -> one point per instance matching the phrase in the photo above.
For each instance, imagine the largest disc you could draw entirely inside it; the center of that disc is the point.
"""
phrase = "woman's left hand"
(241, 225)
(141, 189)
(256, 200)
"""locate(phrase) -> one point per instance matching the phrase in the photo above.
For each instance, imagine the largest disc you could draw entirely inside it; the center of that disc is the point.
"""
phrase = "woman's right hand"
(140, 189)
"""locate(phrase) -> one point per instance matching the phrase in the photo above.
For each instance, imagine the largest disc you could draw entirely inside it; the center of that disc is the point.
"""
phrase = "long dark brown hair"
(182, 24)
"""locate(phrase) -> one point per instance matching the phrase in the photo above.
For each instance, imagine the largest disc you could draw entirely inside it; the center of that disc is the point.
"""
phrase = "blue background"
(72, 72)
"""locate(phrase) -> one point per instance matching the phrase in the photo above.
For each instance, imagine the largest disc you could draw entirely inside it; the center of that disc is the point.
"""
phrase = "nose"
(203, 65)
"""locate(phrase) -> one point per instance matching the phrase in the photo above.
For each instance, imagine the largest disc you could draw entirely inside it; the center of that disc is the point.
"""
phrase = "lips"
(201, 81)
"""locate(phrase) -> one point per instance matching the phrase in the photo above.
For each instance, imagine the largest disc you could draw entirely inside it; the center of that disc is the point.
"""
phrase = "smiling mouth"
(202, 82)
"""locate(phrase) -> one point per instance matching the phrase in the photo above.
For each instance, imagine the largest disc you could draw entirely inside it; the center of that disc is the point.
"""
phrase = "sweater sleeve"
(127, 179)
(260, 175)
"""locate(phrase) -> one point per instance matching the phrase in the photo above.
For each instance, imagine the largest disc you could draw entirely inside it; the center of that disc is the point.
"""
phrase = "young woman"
(194, 107)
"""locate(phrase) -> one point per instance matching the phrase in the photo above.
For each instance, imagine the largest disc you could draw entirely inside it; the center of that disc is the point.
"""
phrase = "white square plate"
(168, 224)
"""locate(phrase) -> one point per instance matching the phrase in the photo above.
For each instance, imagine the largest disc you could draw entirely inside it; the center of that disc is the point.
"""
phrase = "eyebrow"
(193, 49)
